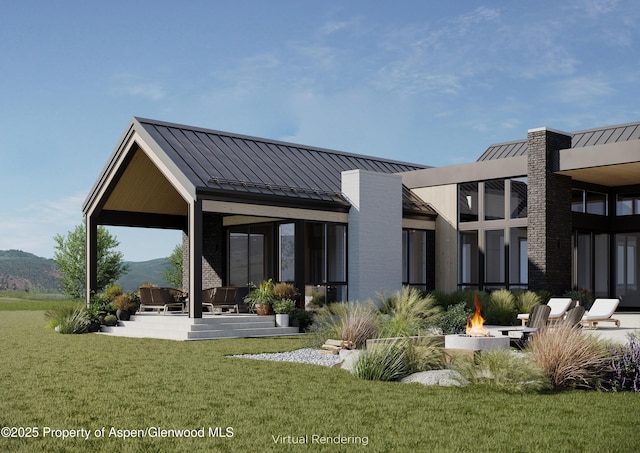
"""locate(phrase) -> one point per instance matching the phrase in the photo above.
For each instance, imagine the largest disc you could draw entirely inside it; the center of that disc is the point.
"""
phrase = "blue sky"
(430, 82)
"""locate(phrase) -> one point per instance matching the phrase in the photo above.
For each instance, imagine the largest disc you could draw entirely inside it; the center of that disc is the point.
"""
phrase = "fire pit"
(477, 337)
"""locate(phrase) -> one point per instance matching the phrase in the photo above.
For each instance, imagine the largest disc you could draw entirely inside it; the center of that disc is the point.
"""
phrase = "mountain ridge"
(25, 271)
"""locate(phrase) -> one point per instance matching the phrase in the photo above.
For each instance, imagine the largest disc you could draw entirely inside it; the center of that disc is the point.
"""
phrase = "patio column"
(91, 257)
(195, 259)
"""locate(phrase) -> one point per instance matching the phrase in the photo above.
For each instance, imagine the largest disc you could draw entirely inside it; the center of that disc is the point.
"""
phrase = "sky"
(428, 82)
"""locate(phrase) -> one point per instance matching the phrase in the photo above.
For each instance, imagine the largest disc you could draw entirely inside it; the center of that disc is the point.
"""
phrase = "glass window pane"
(519, 198)
(518, 259)
(494, 200)
(584, 261)
(468, 272)
(494, 257)
(256, 257)
(238, 253)
(405, 256)
(628, 204)
(337, 253)
(577, 200)
(417, 257)
(601, 265)
(315, 257)
(286, 252)
(596, 203)
(468, 202)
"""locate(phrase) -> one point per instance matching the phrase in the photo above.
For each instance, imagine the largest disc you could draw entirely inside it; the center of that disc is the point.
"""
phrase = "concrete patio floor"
(629, 323)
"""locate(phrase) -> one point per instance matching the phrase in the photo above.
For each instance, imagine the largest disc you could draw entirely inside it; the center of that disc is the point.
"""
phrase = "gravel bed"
(308, 355)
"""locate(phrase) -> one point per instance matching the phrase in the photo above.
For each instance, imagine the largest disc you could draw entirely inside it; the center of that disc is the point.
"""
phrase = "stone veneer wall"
(549, 213)
(213, 252)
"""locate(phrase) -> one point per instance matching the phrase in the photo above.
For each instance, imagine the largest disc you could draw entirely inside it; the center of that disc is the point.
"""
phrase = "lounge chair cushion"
(601, 309)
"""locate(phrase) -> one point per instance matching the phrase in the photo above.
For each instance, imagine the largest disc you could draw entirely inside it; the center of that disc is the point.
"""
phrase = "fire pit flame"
(475, 324)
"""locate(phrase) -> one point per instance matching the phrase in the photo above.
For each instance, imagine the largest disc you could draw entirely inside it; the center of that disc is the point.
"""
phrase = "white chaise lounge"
(559, 306)
(601, 310)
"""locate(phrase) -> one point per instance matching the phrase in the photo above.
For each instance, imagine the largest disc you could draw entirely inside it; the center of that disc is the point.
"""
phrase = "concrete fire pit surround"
(476, 343)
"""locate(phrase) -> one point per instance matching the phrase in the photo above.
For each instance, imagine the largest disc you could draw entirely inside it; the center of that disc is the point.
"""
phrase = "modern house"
(551, 212)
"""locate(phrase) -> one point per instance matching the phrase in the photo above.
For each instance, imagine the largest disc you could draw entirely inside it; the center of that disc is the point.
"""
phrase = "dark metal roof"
(223, 163)
(599, 136)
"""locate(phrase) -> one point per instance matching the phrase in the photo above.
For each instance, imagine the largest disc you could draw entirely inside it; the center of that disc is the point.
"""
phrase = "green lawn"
(54, 381)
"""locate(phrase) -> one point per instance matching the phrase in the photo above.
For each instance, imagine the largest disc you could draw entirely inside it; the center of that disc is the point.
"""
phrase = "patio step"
(180, 327)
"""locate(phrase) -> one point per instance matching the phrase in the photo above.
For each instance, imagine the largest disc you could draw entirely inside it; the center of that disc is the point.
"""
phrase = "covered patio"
(251, 209)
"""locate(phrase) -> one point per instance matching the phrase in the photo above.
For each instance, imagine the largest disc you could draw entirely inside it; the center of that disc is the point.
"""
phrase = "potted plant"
(125, 307)
(261, 299)
(110, 320)
(283, 308)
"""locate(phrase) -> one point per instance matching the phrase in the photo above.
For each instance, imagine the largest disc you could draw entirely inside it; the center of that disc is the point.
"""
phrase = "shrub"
(57, 314)
(506, 370)
(349, 321)
(111, 292)
(570, 358)
(406, 312)
(526, 300)
(583, 296)
(389, 361)
(76, 322)
(125, 302)
(285, 290)
(284, 306)
(624, 371)
(501, 309)
(454, 319)
(427, 354)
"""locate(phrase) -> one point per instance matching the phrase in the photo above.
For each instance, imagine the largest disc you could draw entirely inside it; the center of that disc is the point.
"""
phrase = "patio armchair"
(601, 310)
(537, 319)
(558, 305)
(160, 299)
(573, 317)
(220, 297)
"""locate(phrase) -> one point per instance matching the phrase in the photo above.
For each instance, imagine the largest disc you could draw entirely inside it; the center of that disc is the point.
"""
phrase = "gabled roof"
(222, 165)
(599, 136)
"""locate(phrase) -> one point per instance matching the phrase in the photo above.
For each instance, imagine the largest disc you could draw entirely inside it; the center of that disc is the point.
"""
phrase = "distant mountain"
(22, 271)
(144, 272)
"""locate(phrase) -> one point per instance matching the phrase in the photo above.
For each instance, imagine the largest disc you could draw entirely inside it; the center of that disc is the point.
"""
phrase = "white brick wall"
(375, 232)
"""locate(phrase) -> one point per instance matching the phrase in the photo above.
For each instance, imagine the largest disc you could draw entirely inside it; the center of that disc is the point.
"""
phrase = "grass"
(92, 381)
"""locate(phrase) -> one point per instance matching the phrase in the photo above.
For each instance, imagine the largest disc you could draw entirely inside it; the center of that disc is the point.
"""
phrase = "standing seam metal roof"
(218, 161)
(580, 139)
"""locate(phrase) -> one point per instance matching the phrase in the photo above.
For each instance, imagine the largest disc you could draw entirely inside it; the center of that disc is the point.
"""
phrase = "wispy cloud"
(30, 227)
(136, 86)
(583, 89)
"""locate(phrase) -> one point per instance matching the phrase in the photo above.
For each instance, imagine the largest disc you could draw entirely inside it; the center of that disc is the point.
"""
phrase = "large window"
(495, 258)
(591, 262)
(628, 204)
(494, 200)
(414, 258)
(518, 200)
(286, 252)
(589, 202)
(326, 261)
(249, 250)
(468, 202)
(469, 262)
(518, 258)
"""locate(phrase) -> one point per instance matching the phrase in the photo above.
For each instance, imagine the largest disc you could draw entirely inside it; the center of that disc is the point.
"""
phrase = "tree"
(173, 273)
(71, 258)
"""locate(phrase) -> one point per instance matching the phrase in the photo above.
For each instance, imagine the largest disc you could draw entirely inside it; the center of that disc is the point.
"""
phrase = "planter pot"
(110, 322)
(264, 309)
(93, 327)
(123, 315)
(282, 320)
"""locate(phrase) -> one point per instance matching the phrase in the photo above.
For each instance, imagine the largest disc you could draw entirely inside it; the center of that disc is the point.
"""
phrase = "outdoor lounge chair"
(219, 298)
(537, 319)
(160, 299)
(573, 317)
(601, 310)
(559, 306)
